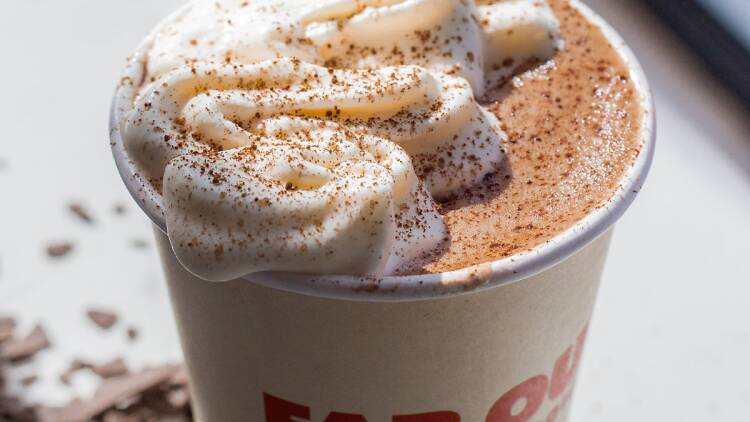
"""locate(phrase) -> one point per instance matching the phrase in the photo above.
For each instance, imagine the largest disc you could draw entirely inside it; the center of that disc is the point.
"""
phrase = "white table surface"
(670, 340)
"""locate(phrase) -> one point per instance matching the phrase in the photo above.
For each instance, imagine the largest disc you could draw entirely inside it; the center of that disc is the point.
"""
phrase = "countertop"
(670, 338)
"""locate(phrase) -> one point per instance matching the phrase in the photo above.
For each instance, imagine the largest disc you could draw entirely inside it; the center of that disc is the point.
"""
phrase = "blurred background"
(670, 339)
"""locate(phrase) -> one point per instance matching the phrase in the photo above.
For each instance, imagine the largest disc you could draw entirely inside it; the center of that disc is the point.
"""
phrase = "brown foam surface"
(572, 126)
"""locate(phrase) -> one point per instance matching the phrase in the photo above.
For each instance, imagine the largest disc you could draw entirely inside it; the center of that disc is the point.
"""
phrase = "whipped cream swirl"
(481, 42)
(291, 136)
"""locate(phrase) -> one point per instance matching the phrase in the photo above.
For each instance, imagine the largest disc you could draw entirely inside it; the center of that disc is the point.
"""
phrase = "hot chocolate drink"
(376, 137)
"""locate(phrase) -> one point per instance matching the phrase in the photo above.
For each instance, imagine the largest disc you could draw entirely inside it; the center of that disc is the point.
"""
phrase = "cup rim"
(474, 278)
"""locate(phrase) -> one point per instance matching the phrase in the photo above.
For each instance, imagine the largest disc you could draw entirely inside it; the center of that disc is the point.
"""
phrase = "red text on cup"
(519, 404)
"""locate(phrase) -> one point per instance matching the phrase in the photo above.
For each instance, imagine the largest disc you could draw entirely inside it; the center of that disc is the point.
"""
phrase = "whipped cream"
(291, 136)
(481, 42)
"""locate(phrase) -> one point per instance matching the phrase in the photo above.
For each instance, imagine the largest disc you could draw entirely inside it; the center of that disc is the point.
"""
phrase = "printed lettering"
(532, 390)
(566, 368)
(344, 417)
(519, 404)
(444, 416)
(278, 410)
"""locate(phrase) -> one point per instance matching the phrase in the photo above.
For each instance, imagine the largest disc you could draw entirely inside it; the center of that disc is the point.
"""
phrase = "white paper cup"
(257, 353)
(496, 342)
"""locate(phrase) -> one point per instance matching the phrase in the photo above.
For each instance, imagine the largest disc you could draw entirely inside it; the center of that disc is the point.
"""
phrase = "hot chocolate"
(376, 137)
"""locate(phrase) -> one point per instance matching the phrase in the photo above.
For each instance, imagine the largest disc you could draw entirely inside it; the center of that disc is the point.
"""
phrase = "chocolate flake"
(104, 319)
(180, 378)
(74, 367)
(59, 250)
(13, 410)
(115, 368)
(29, 379)
(112, 392)
(81, 213)
(150, 395)
(7, 328)
(115, 416)
(17, 350)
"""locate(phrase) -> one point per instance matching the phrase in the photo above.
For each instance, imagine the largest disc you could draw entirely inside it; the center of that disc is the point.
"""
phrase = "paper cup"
(497, 342)
(503, 354)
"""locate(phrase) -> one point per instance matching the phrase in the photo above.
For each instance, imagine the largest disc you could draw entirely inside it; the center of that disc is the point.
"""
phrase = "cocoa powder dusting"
(572, 126)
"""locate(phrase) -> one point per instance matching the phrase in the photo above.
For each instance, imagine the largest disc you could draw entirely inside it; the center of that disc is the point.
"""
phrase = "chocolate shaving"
(81, 213)
(150, 395)
(59, 250)
(13, 409)
(115, 368)
(115, 416)
(29, 379)
(111, 369)
(74, 367)
(113, 392)
(104, 319)
(7, 328)
(180, 378)
(17, 350)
